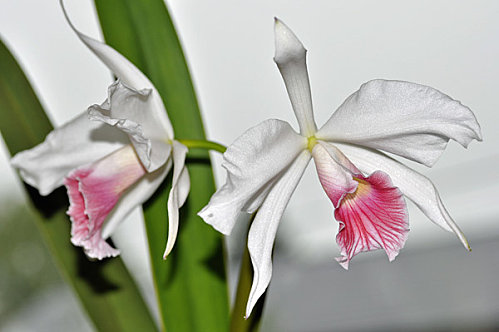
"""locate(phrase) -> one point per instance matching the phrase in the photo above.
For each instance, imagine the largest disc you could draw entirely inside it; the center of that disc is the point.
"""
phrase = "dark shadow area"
(198, 160)
(107, 133)
(163, 187)
(50, 204)
(170, 267)
(214, 263)
(256, 315)
(89, 270)
(92, 272)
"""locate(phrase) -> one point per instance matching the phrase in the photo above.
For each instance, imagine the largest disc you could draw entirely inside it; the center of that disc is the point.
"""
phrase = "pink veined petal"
(415, 186)
(80, 234)
(373, 217)
(79, 220)
(93, 192)
(371, 212)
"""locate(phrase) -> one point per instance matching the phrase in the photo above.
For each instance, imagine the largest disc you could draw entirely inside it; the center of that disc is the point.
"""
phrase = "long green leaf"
(106, 289)
(191, 283)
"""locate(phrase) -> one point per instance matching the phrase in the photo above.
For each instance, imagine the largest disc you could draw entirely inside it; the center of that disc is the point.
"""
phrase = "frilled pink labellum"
(371, 211)
(93, 192)
(373, 217)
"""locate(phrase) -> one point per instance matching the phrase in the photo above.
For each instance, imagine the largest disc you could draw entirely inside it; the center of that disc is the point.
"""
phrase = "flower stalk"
(203, 144)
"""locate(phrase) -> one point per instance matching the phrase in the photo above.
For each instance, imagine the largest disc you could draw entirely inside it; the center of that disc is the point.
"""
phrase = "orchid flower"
(365, 185)
(111, 158)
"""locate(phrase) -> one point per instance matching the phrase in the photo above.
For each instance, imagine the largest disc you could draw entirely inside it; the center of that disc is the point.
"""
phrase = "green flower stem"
(238, 323)
(201, 144)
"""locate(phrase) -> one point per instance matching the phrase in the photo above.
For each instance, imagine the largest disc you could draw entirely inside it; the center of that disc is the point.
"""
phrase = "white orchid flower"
(111, 158)
(265, 164)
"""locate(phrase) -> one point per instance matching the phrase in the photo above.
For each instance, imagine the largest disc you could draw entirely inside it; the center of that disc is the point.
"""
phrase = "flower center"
(311, 143)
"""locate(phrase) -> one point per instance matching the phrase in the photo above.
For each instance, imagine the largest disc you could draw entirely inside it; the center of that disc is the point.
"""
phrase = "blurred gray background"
(434, 284)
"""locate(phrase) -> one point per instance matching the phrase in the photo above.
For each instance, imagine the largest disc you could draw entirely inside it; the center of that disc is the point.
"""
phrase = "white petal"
(135, 196)
(74, 144)
(254, 203)
(133, 112)
(183, 186)
(411, 120)
(130, 75)
(178, 193)
(290, 57)
(264, 227)
(254, 160)
(412, 184)
(339, 157)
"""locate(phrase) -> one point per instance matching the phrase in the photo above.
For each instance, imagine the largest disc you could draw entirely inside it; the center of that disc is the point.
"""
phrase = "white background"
(452, 46)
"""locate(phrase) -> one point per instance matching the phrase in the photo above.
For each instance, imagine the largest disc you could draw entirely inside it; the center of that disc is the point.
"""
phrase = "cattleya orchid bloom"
(366, 186)
(111, 158)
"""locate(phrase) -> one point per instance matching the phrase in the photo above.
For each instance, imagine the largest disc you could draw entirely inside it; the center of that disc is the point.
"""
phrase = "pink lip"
(93, 192)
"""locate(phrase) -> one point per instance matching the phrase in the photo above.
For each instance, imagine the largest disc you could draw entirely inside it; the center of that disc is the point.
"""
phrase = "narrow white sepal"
(262, 233)
(290, 57)
(178, 193)
(128, 73)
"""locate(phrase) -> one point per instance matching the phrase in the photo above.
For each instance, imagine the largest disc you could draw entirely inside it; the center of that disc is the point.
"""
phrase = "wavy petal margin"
(93, 192)
(373, 217)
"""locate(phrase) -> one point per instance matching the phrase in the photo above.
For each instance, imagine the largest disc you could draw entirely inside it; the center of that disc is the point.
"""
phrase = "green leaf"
(105, 288)
(191, 283)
